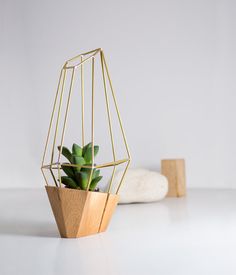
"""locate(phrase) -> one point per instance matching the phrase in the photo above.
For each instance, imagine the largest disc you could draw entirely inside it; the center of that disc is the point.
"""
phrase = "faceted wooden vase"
(80, 213)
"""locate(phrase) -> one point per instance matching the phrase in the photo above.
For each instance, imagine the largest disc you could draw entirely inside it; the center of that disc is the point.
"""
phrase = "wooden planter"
(80, 213)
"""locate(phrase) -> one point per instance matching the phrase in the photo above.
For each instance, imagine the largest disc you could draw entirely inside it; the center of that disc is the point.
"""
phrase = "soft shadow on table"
(28, 228)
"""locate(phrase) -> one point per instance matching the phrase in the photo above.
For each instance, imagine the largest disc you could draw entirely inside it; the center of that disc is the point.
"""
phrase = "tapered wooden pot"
(80, 213)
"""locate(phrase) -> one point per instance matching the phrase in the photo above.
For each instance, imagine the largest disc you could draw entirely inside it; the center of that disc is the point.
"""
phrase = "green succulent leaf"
(78, 161)
(66, 153)
(69, 182)
(68, 170)
(78, 177)
(94, 183)
(82, 180)
(85, 169)
(88, 153)
(85, 148)
(77, 150)
(96, 173)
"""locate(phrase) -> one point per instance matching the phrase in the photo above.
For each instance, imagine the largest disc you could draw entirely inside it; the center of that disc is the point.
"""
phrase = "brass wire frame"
(60, 92)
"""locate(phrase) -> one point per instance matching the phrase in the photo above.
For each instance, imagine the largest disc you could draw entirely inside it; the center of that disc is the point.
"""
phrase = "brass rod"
(45, 178)
(77, 56)
(77, 65)
(117, 109)
(111, 163)
(112, 177)
(58, 116)
(49, 165)
(52, 115)
(103, 213)
(92, 126)
(108, 164)
(107, 107)
(82, 100)
(59, 174)
(66, 114)
(122, 179)
(53, 176)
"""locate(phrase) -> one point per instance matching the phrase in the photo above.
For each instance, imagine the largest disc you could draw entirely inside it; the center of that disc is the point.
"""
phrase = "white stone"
(141, 185)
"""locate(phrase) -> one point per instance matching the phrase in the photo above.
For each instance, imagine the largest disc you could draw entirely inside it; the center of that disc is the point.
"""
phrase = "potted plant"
(79, 207)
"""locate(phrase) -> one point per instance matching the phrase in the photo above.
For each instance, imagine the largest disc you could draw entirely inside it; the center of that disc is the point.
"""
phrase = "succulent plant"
(78, 177)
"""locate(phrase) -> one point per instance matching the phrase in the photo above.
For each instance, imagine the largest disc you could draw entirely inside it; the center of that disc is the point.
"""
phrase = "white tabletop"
(192, 235)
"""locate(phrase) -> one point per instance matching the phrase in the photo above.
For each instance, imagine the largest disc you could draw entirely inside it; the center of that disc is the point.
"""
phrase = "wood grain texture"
(174, 170)
(111, 203)
(92, 213)
(80, 213)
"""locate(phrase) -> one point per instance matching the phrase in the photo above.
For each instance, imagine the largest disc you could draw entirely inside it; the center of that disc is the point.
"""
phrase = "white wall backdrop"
(173, 65)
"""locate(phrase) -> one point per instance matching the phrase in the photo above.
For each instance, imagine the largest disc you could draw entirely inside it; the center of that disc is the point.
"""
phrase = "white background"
(173, 68)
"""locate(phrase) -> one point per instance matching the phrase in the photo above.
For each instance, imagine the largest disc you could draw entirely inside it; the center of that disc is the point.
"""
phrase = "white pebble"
(141, 185)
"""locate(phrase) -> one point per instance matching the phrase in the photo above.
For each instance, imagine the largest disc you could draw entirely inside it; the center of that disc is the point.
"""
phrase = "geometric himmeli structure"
(84, 110)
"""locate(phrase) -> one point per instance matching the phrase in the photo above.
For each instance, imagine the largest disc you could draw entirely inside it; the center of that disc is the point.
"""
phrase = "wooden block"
(111, 204)
(174, 170)
(80, 213)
